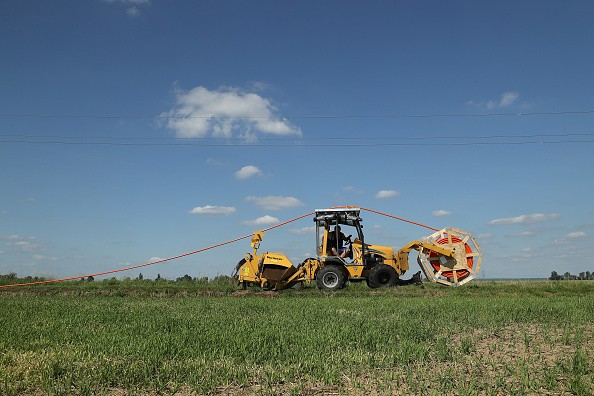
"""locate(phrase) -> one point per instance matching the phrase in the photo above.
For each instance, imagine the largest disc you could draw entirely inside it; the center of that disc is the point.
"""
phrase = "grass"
(483, 338)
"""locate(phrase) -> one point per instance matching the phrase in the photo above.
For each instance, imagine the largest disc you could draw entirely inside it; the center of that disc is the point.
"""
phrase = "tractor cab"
(339, 235)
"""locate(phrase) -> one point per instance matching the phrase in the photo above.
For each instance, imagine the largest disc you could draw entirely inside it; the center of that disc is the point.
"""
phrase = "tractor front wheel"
(382, 275)
(330, 277)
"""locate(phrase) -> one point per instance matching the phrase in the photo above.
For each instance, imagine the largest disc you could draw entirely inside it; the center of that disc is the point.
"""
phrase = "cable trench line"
(200, 250)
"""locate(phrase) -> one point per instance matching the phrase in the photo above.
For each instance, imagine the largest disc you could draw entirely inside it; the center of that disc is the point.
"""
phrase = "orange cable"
(152, 262)
(385, 214)
(201, 250)
(401, 219)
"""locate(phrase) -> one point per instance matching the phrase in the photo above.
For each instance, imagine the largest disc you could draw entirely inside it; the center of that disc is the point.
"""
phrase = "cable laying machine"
(449, 256)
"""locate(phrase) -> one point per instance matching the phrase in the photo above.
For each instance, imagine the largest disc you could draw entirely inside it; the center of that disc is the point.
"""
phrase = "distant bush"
(12, 278)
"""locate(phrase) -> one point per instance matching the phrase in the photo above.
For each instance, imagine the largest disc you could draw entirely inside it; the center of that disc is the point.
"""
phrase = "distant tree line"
(13, 278)
(186, 278)
(567, 276)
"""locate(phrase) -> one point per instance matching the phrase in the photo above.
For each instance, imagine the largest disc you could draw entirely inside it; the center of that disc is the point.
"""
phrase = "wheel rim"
(330, 280)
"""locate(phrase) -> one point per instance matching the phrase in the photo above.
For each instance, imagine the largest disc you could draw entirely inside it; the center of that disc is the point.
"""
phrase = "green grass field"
(531, 337)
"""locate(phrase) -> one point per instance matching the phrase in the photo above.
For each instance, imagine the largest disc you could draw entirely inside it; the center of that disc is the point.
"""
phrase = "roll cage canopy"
(349, 217)
(333, 217)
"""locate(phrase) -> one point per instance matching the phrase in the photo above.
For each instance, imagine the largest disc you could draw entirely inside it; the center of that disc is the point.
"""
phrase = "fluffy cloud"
(576, 235)
(441, 212)
(303, 231)
(526, 233)
(224, 113)
(260, 221)
(570, 237)
(384, 194)
(272, 202)
(132, 6)
(40, 257)
(213, 210)
(526, 219)
(352, 189)
(247, 171)
(24, 244)
(506, 100)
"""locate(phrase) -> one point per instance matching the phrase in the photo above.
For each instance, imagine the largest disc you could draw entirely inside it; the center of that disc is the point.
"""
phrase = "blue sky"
(140, 129)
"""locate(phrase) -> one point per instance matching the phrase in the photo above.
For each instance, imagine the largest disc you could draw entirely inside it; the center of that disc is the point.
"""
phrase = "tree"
(555, 276)
(185, 278)
(566, 276)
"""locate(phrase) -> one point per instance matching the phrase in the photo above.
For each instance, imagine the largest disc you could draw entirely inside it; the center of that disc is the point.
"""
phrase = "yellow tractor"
(448, 256)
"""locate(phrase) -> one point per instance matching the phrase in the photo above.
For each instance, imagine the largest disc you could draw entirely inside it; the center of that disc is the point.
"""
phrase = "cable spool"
(452, 271)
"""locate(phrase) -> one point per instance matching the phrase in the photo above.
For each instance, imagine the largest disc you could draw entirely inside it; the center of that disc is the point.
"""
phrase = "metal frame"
(338, 216)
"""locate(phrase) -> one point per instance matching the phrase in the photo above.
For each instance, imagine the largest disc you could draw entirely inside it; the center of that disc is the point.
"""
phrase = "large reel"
(451, 271)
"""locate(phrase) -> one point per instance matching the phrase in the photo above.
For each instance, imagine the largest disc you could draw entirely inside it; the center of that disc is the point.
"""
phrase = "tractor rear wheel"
(331, 277)
(382, 275)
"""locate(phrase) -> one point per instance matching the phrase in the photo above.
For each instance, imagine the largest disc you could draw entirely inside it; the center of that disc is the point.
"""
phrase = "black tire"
(382, 275)
(331, 277)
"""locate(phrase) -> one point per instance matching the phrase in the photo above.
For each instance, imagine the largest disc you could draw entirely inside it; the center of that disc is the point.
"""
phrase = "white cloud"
(219, 113)
(526, 219)
(576, 235)
(154, 259)
(523, 233)
(40, 257)
(569, 237)
(25, 244)
(272, 202)
(303, 231)
(352, 189)
(506, 100)
(213, 210)
(260, 221)
(214, 162)
(248, 171)
(384, 194)
(441, 212)
(132, 6)
(133, 11)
